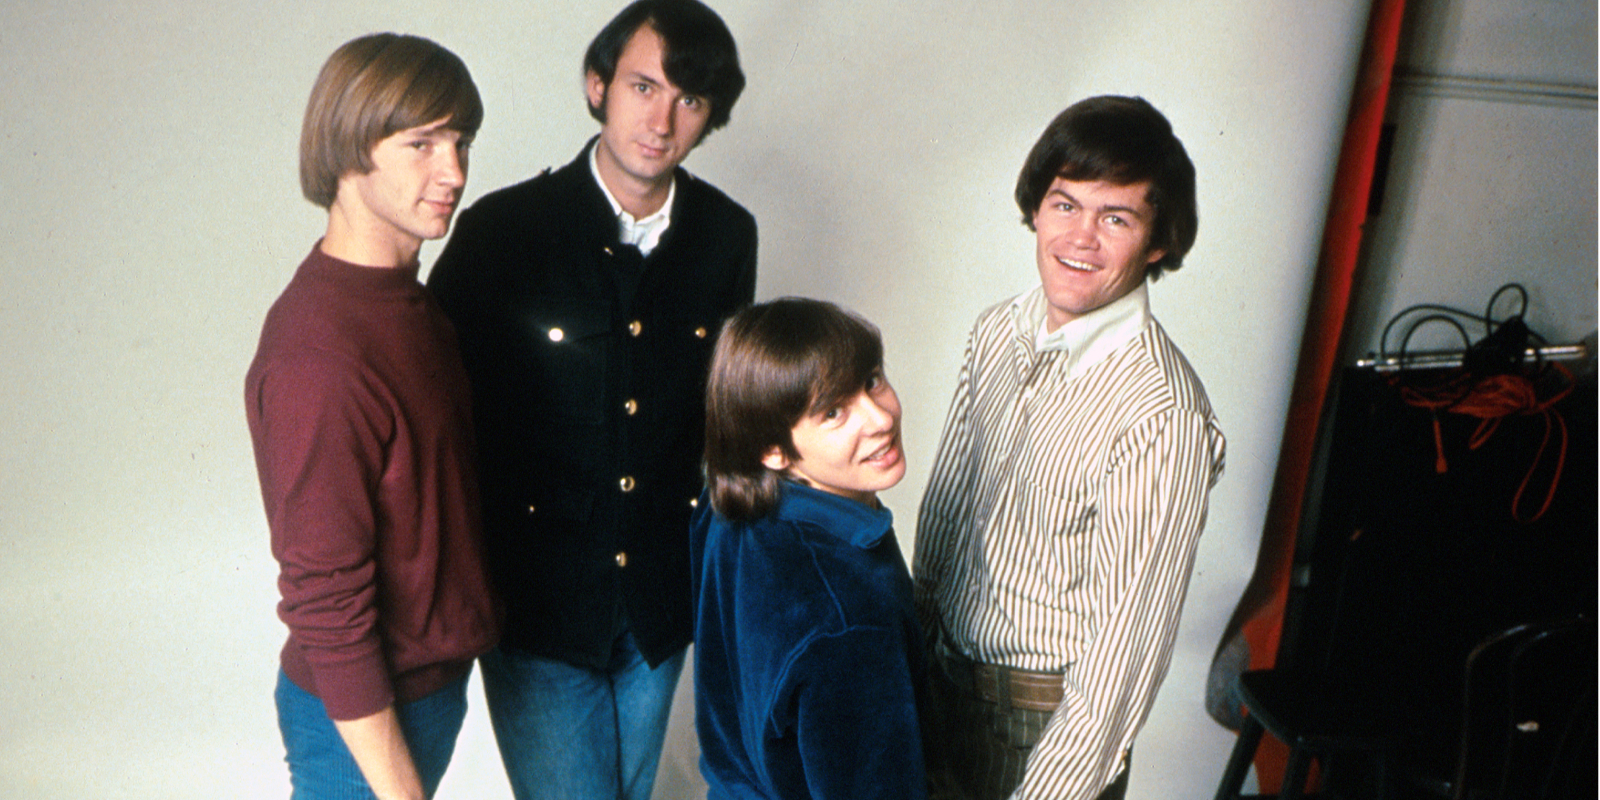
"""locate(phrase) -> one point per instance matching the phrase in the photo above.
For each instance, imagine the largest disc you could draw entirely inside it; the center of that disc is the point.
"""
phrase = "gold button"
(556, 334)
(622, 559)
(626, 483)
(699, 333)
(635, 327)
(632, 406)
(694, 502)
(608, 251)
(530, 508)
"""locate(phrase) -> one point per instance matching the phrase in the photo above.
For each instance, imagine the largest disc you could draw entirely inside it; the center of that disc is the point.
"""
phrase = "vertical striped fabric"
(980, 749)
(1059, 526)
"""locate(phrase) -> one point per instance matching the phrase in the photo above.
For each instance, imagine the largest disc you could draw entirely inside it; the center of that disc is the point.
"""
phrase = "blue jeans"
(568, 732)
(320, 766)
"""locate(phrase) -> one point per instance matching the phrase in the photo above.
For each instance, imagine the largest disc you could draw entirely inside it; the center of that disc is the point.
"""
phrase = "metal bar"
(1445, 359)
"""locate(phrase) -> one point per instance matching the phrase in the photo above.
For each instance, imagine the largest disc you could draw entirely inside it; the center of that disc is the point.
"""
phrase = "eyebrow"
(640, 77)
(1134, 212)
(435, 129)
(666, 83)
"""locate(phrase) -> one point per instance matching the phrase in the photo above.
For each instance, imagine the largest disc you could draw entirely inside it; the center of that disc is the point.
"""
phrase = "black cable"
(1511, 338)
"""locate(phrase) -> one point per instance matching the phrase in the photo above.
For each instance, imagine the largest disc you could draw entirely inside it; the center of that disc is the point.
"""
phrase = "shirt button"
(631, 407)
(556, 334)
(622, 559)
(635, 327)
(626, 483)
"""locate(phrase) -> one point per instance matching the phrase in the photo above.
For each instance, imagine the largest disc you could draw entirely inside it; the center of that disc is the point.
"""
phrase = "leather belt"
(1005, 686)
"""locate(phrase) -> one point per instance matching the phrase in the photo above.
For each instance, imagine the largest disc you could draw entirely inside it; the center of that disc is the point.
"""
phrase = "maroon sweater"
(359, 412)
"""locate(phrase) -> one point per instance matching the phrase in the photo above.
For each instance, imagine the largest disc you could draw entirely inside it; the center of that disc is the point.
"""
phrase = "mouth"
(1077, 266)
(442, 206)
(887, 455)
(652, 151)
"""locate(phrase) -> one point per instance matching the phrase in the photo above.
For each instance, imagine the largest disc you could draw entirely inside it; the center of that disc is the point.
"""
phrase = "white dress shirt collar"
(645, 233)
(1088, 339)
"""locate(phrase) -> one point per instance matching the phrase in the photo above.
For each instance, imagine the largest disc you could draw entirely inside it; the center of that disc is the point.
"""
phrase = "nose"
(660, 119)
(879, 414)
(1080, 230)
(452, 166)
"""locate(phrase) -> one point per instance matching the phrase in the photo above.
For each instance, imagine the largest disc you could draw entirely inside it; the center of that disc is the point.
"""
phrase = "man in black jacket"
(587, 300)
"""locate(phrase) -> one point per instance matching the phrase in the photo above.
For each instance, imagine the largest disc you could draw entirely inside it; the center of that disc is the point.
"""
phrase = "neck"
(637, 197)
(352, 237)
(1052, 322)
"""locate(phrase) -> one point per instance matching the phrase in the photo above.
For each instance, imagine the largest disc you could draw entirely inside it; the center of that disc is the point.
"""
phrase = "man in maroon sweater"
(359, 410)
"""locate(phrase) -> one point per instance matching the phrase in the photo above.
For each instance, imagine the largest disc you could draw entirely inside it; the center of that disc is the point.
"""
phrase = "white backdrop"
(152, 215)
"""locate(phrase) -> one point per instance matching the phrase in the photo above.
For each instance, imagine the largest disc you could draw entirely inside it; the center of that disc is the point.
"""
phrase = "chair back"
(1528, 729)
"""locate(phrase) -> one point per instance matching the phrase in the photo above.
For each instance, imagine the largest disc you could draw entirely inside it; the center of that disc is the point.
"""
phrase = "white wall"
(152, 214)
(1492, 180)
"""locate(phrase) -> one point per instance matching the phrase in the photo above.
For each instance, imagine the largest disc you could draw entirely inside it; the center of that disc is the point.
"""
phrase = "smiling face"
(650, 124)
(1093, 245)
(410, 194)
(852, 449)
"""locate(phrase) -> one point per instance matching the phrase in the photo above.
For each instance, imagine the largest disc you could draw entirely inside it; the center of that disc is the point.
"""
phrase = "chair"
(1300, 718)
(1528, 720)
(1400, 573)
(1349, 692)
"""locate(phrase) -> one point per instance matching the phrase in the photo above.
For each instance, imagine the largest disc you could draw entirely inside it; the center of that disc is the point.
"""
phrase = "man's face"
(650, 124)
(852, 450)
(415, 183)
(1093, 245)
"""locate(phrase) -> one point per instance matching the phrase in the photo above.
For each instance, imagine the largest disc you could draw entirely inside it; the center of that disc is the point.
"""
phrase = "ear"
(1155, 254)
(594, 88)
(774, 459)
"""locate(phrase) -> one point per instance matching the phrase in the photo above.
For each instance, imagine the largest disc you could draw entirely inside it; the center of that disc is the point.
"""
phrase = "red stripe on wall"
(1260, 610)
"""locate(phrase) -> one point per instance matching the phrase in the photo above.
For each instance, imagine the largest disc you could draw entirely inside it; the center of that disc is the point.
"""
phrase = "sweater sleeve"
(855, 717)
(319, 432)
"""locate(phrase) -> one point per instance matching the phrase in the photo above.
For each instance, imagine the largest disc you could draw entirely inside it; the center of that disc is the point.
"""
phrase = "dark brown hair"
(775, 363)
(700, 56)
(1119, 140)
(371, 88)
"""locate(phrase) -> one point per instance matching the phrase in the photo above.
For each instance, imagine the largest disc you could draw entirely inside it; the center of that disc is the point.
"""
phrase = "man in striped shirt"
(1056, 538)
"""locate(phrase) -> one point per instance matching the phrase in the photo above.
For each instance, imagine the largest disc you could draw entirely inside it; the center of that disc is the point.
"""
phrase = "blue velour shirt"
(807, 653)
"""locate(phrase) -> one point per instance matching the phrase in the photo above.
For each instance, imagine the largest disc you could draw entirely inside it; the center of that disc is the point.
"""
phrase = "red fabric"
(360, 415)
(1260, 612)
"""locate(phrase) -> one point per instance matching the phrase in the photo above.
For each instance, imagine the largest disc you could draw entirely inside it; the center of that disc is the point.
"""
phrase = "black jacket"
(588, 371)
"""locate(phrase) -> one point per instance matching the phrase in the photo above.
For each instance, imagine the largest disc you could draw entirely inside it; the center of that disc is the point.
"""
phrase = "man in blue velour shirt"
(807, 650)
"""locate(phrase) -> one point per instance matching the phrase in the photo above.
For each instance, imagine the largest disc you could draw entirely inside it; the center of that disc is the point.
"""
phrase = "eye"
(1116, 221)
(691, 101)
(832, 413)
(642, 88)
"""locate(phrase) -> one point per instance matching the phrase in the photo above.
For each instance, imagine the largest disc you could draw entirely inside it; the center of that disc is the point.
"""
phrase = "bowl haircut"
(775, 363)
(371, 88)
(1122, 141)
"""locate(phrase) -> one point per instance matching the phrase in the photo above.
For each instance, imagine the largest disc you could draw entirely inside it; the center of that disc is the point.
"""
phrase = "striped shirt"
(1060, 522)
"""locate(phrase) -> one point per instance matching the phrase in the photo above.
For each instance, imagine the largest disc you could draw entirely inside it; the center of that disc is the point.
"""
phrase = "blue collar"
(847, 519)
